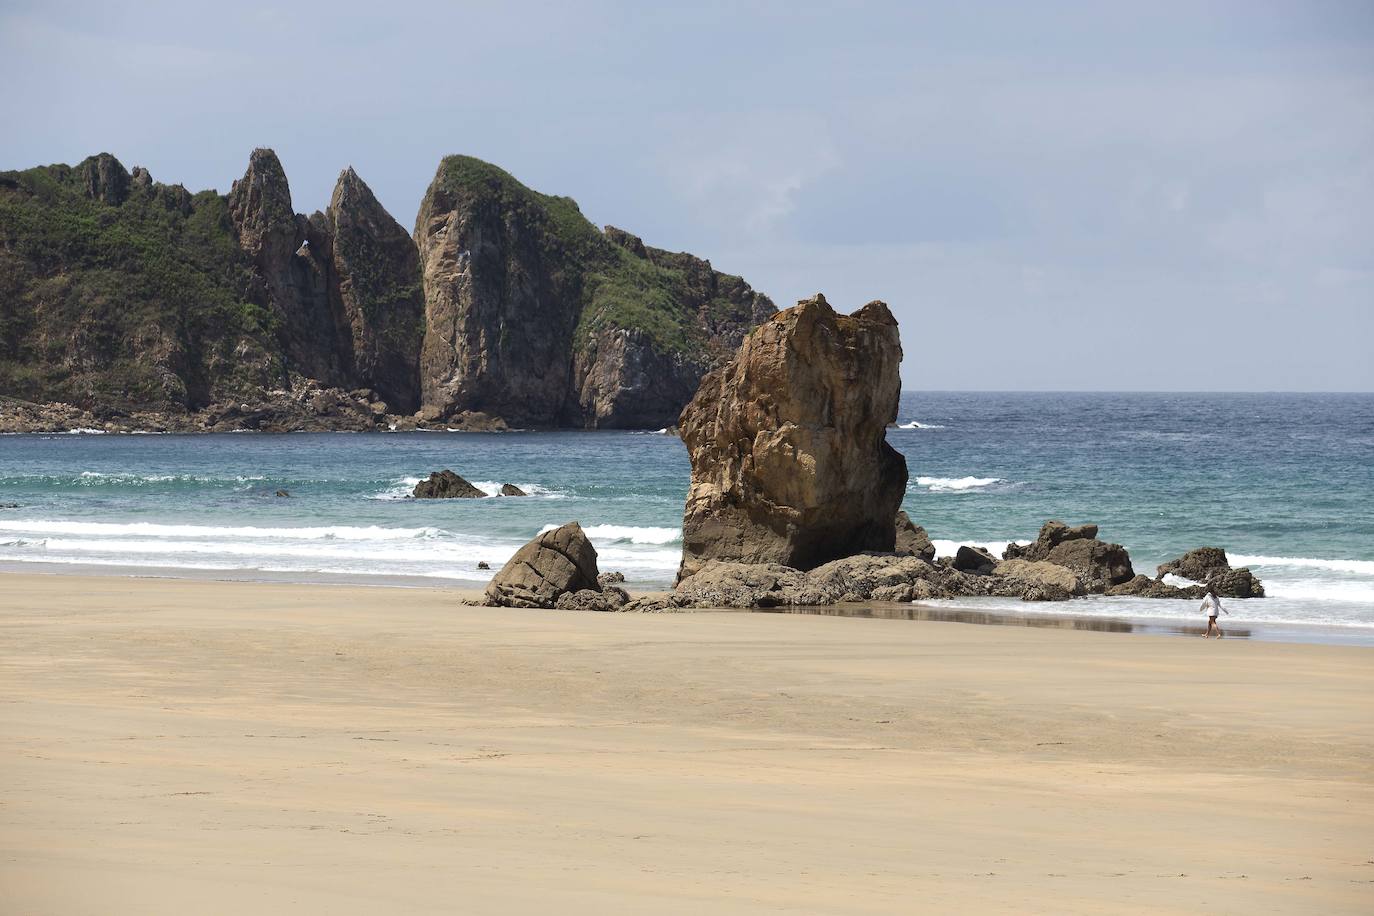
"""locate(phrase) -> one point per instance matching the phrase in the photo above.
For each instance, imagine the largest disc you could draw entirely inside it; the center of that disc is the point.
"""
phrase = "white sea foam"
(87, 431)
(956, 484)
(1359, 567)
(405, 486)
(917, 424)
(634, 534)
(947, 548)
(156, 530)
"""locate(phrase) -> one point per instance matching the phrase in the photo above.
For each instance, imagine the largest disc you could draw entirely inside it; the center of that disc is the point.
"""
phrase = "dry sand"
(200, 747)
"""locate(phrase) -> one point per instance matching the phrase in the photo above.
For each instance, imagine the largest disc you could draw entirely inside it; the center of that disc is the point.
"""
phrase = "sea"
(1284, 482)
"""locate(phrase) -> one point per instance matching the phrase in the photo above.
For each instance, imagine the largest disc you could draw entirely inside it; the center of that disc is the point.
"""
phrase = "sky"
(1051, 196)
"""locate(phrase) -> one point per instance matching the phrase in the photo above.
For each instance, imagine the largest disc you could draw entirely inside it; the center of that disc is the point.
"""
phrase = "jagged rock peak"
(141, 178)
(104, 178)
(790, 463)
(261, 200)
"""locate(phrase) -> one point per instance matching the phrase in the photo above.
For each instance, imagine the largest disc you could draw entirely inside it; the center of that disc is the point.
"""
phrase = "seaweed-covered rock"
(554, 564)
(446, 485)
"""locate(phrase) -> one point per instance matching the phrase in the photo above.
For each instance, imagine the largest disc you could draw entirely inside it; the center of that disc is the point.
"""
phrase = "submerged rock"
(446, 485)
(554, 564)
(790, 464)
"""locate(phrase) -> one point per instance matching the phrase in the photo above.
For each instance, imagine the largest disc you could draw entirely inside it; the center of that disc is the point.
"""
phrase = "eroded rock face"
(555, 564)
(446, 485)
(374, 278)
(501, 296)
(790, 464)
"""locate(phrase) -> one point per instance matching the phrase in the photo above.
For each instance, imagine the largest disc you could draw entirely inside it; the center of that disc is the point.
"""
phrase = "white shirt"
(1212, 604)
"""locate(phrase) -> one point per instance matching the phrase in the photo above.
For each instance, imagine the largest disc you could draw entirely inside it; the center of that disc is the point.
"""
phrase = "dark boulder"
(974, 559)
(446, 485)
(912, 540)
(1198, 565)
(510, 489)
(552, 565)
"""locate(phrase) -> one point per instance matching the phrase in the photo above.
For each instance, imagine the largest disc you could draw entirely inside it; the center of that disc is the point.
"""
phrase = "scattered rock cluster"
(447, 485)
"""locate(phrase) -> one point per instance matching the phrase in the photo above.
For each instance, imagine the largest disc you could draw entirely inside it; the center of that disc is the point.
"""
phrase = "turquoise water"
(1284, 482)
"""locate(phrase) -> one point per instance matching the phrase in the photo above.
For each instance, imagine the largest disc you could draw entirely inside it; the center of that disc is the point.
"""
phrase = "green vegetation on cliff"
(117, 292)
(619, 289)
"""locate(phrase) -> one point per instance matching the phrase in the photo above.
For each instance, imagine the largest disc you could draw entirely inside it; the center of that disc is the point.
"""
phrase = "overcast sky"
(1049, 195)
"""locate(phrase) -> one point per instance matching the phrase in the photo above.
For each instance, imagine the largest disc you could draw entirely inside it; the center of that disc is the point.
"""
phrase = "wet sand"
(187, 746)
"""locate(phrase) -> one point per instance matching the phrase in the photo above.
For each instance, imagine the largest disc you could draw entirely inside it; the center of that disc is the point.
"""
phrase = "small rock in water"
(283, 493)
(510, 489)
(446, 485)
(9, 505)
(483, 564)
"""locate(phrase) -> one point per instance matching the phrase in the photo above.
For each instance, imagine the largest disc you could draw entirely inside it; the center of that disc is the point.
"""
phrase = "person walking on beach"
(1211, 606)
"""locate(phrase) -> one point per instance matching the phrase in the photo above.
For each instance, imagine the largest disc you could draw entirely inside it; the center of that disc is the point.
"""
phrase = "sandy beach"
(189, 746)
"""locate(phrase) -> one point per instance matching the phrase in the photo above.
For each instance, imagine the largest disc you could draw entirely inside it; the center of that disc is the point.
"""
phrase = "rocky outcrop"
(1210, 566)
(1198, 565)
(125, 294)
(912, 540)
(375, 289)
(629, 376)
(790, 464)
(537, 317)
(1097, 564)
(446, 485)
(553, 565)
(510, 489)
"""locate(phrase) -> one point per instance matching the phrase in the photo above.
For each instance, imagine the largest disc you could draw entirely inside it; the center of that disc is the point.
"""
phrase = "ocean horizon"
(1282, 481)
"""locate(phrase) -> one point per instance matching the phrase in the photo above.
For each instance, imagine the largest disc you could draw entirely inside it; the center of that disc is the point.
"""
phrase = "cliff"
(537, 317)
(131, 302)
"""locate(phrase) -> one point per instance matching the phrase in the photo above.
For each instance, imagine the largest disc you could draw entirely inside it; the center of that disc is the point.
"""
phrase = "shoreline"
(1037, 615)
(185, 746)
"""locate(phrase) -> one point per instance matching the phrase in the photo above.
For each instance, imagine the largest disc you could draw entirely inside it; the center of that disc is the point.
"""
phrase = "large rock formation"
(790, 464)
(556, 563)
(376, 289)
(538, 318)
(152, 307)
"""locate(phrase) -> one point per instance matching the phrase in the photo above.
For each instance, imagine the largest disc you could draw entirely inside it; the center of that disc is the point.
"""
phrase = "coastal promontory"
(126, 303)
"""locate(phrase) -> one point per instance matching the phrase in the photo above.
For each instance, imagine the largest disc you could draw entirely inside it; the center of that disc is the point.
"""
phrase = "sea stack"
(790, 461)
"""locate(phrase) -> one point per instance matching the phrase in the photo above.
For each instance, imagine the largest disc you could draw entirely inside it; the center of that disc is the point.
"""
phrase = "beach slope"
(181, 746)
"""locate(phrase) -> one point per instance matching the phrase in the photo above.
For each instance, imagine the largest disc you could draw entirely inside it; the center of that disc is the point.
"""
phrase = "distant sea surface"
(1285, 482)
